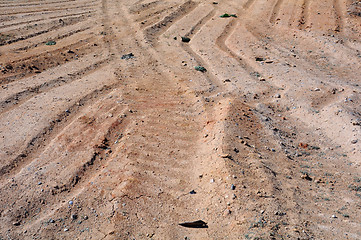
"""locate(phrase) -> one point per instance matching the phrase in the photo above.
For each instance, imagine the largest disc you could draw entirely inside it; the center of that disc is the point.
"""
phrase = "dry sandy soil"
(98, 144)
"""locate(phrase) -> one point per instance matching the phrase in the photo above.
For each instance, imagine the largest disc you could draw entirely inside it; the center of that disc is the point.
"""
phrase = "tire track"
(210, 77)
(40, 20)
(220, 42)
(275, 11)
(304, 19)
(153, 32)
(19, 98)
(248, 4)
(55, 9)
(79, 174)
(44, 136)
(338, 16)
(56, 27)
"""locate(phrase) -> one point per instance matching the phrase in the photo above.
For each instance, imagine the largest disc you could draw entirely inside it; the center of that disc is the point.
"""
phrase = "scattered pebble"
(17, 223)
(127, 56)
(192, 192)
(306, 177)
(233, 187)
(70, 202)
(65, 229)
(334, 216)
(277, 96)
(354, 141)
(186, 39)
(212, 180)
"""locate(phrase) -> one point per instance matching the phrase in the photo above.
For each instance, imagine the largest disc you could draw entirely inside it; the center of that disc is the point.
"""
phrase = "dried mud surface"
(96, 143)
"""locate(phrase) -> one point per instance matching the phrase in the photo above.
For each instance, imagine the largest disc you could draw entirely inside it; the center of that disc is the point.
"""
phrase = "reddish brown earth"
(93, 146)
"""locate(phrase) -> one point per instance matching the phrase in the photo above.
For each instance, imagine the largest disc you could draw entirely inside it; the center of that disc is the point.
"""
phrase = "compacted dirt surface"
(113, 126)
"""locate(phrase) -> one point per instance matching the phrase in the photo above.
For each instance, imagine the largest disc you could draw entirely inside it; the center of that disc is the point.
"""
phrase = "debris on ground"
(226, 15)
(128, 56)
(50, 43)
(186, 39)
(195, 224)
(200, 68)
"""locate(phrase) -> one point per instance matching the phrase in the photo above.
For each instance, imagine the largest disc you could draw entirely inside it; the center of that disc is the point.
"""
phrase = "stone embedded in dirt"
(277, 96)
(260, 59)
(65, 229)
(50, 43)
(200, 69)
(212, 180)
(227, 80)
(195, 224)
(354, 141)
(306, 177)
(127, 56)
(74, 216)
(186, 39)
(192, 192)
(233, 187)
(226, 156)
(17, 223)
(334, 216)
(51, 221)
(70, 202)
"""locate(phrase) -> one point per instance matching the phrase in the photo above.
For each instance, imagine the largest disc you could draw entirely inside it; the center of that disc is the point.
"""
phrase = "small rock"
(192, 192)
(85, 217)
(317, 90)
(65, 229)
(39, 183)
(70, 202)
(306, 176)
(226, 156)
(277, 96)
(212, 180)
(127, 56)
(49, 43)
(334, 216)
(74, 216)
(51, 221)
(17, 223)
(195, 224)
(260, 59)
(186, 39)
(354, 141)
(233, 187)
(200, 69)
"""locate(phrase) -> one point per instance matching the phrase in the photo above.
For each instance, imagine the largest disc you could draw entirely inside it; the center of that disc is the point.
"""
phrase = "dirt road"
(114, 125)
